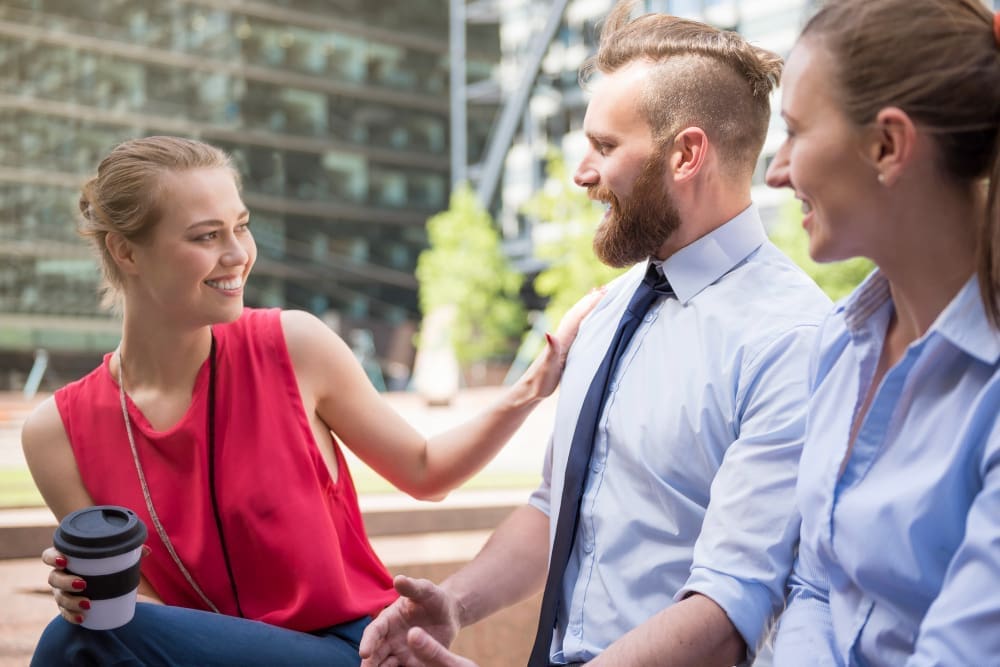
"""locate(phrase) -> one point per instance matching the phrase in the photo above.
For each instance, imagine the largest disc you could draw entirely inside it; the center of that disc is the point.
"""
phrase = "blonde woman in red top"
(213, 423)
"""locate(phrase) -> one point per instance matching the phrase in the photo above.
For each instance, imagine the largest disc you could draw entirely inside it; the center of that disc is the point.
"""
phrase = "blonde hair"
(124, 195)
(703, 76)
(938, 61)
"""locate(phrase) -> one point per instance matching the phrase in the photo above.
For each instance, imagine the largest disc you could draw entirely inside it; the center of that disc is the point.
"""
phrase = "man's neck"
(702, 215)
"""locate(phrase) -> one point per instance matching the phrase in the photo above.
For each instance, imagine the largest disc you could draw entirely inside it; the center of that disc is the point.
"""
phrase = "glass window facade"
(335, 113)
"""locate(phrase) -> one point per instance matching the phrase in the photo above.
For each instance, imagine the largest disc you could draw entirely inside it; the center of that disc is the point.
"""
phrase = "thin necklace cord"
(160, 531)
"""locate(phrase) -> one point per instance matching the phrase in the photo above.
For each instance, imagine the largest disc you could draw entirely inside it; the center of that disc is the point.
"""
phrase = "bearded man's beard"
(635, 227)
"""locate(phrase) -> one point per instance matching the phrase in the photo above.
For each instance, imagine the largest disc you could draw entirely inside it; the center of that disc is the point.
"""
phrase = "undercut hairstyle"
(701, 76)
(124, 196)
(938, 61)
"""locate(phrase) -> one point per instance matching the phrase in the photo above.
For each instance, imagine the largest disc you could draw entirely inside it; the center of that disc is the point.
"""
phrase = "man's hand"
(422, 604)
(431, 653)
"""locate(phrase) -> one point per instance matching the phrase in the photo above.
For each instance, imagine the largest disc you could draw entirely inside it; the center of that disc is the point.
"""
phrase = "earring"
(881, 178)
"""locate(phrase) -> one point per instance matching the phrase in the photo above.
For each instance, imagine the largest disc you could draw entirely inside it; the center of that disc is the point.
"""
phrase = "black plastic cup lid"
(100, 531)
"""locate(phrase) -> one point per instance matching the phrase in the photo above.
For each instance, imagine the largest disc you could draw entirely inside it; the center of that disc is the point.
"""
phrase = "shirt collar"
(699, 264)
(963, 322)
(865, 300)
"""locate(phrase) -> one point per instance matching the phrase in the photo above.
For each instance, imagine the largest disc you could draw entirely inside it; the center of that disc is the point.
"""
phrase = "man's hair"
(702, 76)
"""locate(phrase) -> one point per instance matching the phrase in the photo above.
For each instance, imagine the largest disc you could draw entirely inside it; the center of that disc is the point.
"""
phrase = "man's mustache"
(602, 194)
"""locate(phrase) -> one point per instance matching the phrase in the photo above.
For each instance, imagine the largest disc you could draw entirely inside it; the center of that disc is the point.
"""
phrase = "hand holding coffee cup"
(103, 546)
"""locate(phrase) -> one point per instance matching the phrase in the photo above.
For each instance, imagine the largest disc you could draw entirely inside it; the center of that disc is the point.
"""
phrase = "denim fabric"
(163, 635)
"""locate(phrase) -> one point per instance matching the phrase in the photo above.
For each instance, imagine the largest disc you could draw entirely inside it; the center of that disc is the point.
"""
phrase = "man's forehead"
(618, 91)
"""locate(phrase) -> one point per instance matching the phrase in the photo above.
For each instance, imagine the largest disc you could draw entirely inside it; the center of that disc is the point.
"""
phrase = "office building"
(335, 112)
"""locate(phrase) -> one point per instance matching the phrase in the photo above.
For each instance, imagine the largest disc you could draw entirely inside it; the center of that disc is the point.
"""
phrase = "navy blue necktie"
(653, 286)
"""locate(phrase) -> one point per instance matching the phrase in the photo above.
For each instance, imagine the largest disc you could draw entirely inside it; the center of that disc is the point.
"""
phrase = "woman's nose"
(777, 171)
(235, 253)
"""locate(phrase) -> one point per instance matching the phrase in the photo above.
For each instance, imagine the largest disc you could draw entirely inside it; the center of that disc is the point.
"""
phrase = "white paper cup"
(103, 546)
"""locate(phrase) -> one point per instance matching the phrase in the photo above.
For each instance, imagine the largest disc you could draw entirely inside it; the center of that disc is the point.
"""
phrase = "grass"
(17, 489)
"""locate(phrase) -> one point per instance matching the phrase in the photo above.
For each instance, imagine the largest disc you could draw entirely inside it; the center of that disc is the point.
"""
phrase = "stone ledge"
(24, 533)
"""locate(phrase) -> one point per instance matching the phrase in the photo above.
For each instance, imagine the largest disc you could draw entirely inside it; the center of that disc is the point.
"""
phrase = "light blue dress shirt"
(691, 482)
(899, 561)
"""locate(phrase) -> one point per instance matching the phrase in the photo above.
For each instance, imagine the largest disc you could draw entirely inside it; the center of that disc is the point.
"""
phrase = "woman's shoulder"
(256, 321)
(256, 328)
(43, 434)
(250, 320)
(299, 326)
(51, 459)
(279, 335)
(43, 423)
(96, 388)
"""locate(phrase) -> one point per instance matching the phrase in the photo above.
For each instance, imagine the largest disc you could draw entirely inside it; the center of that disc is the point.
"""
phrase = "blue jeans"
(162, 635)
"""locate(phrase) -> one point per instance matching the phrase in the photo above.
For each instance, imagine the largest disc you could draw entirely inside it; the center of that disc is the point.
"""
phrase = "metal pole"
(510, 115)
(459, 124)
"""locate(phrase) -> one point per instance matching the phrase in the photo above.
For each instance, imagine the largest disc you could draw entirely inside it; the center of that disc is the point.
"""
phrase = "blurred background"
(407, 164)
(353, 122)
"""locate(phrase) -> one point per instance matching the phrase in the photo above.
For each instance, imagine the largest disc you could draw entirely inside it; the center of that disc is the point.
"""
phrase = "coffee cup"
(103, 546)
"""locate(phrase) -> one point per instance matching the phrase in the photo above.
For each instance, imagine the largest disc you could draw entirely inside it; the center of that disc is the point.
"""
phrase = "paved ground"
(27, 605)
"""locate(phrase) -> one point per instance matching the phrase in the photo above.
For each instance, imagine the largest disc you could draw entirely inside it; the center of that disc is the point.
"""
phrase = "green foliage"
(836, 278)
(465, 267)
(573, 268)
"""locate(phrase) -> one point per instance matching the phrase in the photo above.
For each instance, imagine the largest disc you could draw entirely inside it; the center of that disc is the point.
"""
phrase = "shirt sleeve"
(805, 629)
(745, 551)
(960, 627)
(541, 498)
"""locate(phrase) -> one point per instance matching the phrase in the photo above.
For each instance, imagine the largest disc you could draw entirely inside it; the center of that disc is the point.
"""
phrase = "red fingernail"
(79, 619)
(60, 561)
(79, 584)
(548, 338)
(84, 604)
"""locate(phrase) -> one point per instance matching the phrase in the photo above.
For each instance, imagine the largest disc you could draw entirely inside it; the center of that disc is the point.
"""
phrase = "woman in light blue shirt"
(892, 109)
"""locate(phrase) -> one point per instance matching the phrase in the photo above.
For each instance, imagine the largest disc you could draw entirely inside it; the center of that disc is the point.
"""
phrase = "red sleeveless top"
(297, 546)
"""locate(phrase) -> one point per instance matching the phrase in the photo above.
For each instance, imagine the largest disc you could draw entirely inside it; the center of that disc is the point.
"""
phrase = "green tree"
(572, 219)
(465, 267)
(837, 279)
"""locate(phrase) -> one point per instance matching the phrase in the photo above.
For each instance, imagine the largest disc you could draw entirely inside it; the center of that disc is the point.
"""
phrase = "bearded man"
(671, 543)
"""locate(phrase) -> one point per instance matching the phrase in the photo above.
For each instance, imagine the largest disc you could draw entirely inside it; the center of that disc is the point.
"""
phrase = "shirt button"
(597, 466)
(588, 547)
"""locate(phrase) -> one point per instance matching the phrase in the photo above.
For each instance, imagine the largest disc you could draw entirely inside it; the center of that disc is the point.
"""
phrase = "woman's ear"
(122, 252)
(893, 144)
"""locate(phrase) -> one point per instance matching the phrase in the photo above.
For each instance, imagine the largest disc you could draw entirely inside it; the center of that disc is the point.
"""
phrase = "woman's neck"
(931, 256)
(162, 360)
